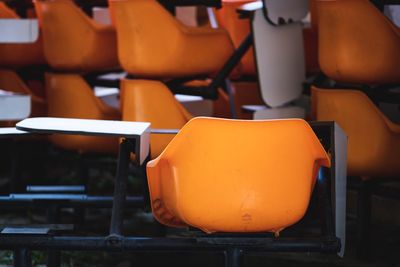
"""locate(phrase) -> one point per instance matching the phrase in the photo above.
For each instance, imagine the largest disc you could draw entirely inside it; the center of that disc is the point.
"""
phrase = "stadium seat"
(73, 41)
(201, 168)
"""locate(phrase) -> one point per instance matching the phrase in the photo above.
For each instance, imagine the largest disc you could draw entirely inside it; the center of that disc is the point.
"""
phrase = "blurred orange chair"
(153, 44)
(357, 43)
(10, 81)
(69, 96)
(373, 147)
(200, 180)
(19, 55)
(144, 100)
(74, 42)
(374, 141)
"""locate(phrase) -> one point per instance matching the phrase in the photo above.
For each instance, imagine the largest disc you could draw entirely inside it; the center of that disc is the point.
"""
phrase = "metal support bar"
(167, 244)
(232, 62)
(125, 149)
(22, 258)
(325, 203)
(233, 257)
(363, 219)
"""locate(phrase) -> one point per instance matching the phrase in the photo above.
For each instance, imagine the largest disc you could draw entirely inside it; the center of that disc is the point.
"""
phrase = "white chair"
(279, 52)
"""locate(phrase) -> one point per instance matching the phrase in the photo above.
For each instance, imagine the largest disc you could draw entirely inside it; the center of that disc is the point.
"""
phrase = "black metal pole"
(125, 149)
(363, 219)
(232, 62)
(233, 257)
(22, 258)
(325, 203)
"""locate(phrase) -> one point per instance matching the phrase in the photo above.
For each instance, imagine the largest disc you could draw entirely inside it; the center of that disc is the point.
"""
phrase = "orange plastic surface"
(69, 96)
(235, 175)
(153, 44)
(10, 81)
(151, 101)
(374, 141)
(238, 29)
(357, 43)
(19, 55)
(73, 41)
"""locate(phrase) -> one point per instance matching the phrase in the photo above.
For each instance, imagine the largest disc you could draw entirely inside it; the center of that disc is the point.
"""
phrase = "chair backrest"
(236, 176)
(152, 101)
(286, 10)
(6, 12)
(279, 52)
(357, 43)
(69, 96)
(69, 35)
(145, 33)
(372, 137)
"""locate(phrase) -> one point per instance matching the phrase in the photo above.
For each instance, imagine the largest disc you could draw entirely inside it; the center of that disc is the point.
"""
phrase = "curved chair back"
(236, 176)
(152, 101)
(374, 141)
(154, 44)
(73, 41)
(69, 96)
(357, 43)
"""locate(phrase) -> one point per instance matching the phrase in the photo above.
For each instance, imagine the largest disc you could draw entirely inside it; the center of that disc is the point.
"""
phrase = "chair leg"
(53, 258)
(363, 219)
(22, 258)
(233, 257)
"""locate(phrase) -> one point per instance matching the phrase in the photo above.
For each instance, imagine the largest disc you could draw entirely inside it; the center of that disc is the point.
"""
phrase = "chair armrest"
(247, 10)
(7, 132)
(137, 131)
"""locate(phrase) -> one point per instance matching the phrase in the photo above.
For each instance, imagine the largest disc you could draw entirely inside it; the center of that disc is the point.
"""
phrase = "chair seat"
(374, 141)
(153, 44)
(202, 181)
(19, 55)
(357, 43)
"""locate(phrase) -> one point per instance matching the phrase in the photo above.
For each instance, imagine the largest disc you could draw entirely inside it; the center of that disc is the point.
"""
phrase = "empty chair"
(357, 43)
(153, 44)
(374, 141)
(69, 96)
(144, 100)
(73, 41)
(202, 181)
(19, 55)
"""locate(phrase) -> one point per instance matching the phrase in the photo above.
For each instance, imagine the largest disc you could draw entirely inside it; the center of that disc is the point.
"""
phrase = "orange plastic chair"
(69, 96)
(153, 44)
(374, 141)
(10, 81)
(238, 30)
(144, 100)
(357, 43)
(73, 41)
(201, 180)
(19, 55)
